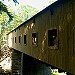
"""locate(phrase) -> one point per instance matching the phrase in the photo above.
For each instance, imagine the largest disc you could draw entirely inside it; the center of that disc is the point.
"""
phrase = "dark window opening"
(19, 39)
(15, 39)
(34, 39)
(24, 39)
(52, 35)
(51, 11)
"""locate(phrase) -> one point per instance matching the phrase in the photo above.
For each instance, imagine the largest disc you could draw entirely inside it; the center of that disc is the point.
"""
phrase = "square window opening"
(25, 42)
(52, 38)
(15, 39)
(34, 39)
(19, 28)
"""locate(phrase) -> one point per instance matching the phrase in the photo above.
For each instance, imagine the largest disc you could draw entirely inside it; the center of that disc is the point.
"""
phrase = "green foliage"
(3, 8)
(15, 1)
(5, 18)
(24, 12)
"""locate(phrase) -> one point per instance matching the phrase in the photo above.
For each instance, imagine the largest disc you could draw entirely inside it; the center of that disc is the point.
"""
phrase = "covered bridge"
(49, 36)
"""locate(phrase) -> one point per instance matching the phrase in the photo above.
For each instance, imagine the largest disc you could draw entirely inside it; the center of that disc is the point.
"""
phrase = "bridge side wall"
(61, 18)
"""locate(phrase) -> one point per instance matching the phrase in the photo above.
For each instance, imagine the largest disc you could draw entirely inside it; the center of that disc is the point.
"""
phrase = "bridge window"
(34, 39)
(52, 39)
(15, 39)
(24, 39)
(19, 39)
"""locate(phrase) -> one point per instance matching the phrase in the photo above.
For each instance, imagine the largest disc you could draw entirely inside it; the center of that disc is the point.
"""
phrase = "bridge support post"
(21, 63)
(16, 62)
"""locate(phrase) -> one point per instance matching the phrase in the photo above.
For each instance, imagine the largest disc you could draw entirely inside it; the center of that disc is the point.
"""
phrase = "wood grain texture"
(62, 18)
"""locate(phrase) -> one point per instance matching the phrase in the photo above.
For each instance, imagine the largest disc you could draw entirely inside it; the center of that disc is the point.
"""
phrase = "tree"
(5, 17)
(24, 12)
(3, 8)
(15, 1)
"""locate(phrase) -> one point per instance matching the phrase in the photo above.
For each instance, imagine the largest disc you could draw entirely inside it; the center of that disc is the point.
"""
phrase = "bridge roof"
(50, 7)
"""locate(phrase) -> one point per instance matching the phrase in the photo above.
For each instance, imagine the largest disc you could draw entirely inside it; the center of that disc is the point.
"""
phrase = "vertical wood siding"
(60, 17)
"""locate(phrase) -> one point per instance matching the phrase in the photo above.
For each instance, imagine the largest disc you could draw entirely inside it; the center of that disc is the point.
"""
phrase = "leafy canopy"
(3, 8)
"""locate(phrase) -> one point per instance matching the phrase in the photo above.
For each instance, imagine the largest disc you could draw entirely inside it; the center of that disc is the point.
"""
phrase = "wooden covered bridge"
(49, 37)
